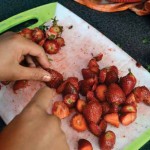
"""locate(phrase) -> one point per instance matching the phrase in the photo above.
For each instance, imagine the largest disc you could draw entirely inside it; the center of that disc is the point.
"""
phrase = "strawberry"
(114, 108)
(90, 96)
(97, 129)
(5, 82)
(131, 99)
(128, 82)
(113, 68)
(56, 78)
(102, 75)
(70, 89)
(115, 94)
(70, 100)
(78, 123)
(93, 66)
(27, 33)
(41, 43)
(74, 82)
(61, 87)
(92, 111)
(111, 77)
(112, 118)
(51, 47)
(87, 73)
(105, 107)
(80, 105)
(142, 94)
(60, 109)
(98, 57)
(127, 118)
(84, 144)
(94, 128)
(128, 109)
(60, 41)
(20, 84)
(107, 140)
(100, 92)
(37, 35)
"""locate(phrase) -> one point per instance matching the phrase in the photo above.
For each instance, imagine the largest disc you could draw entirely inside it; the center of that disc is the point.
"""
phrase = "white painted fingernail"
(46, 78)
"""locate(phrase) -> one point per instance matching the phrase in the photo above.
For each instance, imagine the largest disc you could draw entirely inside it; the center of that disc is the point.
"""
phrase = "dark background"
(129, 31)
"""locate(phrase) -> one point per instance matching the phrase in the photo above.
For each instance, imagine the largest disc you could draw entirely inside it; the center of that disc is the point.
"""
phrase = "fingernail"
(46, 78)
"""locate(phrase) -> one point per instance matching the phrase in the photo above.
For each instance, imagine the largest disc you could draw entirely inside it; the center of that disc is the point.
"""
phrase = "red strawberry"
(113, 68)
(102, 75)
(80, 105)
(5, 82)
(94, 128)
(37, 35)
(41, 43)
(60, 109)
(128, 109)
(74, 82)
(112, 118)
(84, 144)
(70, 89)
(90, 96)
(92, 111)
(125, 1)
(27, 33)
(70, 100)
(20, 85)
(61, 87)
(78, 123)
(131, 99)
(100, 92)
(111, 77)
(115, 94)
(107, 140)
(93, 63)
(114, 108)
(87, 73)
(128, 82)
(51, 47)
(128, 118)
(105, 107)
(98, 57)
(60, 41)
(103, 125)
(56, 78)
(142, 94)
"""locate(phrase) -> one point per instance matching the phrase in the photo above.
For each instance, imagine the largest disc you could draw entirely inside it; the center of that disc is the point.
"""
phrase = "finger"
(30, 48)
(30, 61)
(26, 73)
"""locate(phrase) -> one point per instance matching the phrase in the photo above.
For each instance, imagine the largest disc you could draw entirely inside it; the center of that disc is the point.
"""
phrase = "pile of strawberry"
(108, 100)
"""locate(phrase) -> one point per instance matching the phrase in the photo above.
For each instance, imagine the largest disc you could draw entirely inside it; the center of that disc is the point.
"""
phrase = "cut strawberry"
(60, 41)
(114, 108)
(93, 63)
(61, 87)
(98, 57)
(115, 94)
(87, 73)
(80, 105)
(84, 144)
(78, 123)
(51, 47)
(125, 1)
(70, 100)
(27, 33)
(100, 92)
(111, 77)
(128, 118)
(92, 111)
(131, 99)
(112, 118)
(102, 75)
(128, 109)
(105, 107)
(103, 125)
(56, 78)
(74, 82)
(21, 84)
(128, 82)
(107, 140)
(60, 109)
(37, 35)
(41, 43)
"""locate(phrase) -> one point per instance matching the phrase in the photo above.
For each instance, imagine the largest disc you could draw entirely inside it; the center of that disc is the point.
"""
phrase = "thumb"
(27, 73)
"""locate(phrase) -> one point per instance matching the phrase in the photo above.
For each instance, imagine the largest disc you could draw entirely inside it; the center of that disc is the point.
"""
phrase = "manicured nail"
(46, 78)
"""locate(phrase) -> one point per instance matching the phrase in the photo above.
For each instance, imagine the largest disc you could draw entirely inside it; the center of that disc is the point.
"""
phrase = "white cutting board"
(82, 41)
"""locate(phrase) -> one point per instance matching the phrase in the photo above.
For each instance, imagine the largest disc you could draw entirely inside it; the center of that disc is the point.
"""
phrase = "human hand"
(33, 128)
(13, 49)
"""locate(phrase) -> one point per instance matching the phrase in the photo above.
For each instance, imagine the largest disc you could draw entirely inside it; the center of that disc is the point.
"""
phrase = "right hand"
(34, 128)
